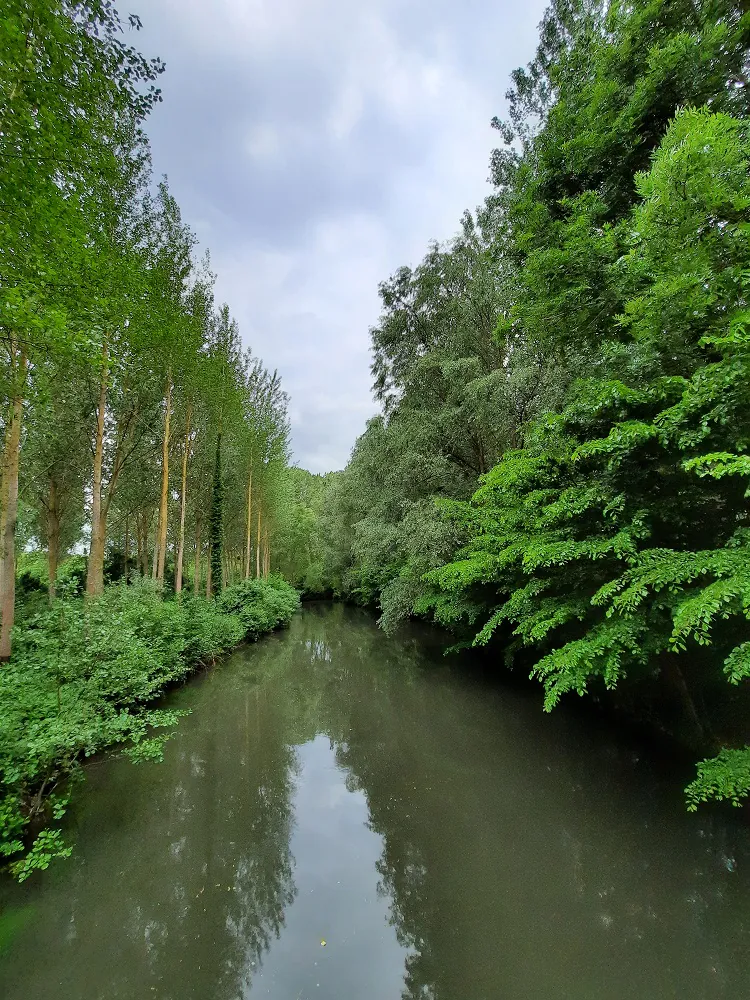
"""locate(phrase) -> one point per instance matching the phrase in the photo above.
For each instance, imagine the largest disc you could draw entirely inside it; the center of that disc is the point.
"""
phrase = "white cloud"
(317, 145)
(263, 142)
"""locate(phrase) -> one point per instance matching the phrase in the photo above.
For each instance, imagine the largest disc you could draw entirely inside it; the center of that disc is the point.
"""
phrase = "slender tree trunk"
(146, 525)
(197, 576)
(164, 502)
(53, 538)
(248, 538)
(216, 522)
(266, 555)
(10, 511)
(143, 542)
(183, 499)
(155, 556)
(126, 547)
(139, 546)
(257, 549)
(208, 576)
(95, 574)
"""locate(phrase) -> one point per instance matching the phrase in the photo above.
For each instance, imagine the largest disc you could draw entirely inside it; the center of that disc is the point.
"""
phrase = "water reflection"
(446, 841)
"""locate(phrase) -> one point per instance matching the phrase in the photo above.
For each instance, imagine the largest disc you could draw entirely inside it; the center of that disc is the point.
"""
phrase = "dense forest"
(560, 468)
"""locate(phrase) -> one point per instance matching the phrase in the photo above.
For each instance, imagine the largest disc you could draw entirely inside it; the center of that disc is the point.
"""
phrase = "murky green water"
(445, 840)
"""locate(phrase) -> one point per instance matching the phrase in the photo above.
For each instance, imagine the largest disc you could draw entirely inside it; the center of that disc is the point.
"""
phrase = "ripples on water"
(445, 840)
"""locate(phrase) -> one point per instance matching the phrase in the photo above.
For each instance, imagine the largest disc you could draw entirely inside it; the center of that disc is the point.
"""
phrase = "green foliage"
(581, 352)
(301, 547)
(82, 678)
(726, 778)
(588, 538)
(260, 605)
(47, 846)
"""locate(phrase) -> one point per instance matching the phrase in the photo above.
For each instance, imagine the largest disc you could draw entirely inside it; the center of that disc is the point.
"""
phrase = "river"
(345, 816)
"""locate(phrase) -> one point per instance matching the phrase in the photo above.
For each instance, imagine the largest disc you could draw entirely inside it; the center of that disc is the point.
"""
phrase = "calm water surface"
(447, 841)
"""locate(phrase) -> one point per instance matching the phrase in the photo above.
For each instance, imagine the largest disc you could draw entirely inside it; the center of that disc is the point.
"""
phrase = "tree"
(69, 89)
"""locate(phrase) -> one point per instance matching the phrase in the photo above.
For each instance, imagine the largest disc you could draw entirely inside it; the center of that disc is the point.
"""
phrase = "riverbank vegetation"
(135, 427)
(560, 469)
(85, 675)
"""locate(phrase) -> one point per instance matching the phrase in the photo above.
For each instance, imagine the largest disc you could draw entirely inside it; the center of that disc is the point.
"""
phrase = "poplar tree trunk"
(164, 502)
(208, 576)
(197, 572)
(10, 511)
(145, 546)
(183, 500)
(143, 541)
(155, 556)
(126, 546)
(53, 539)
(266, 555)
(248, 539)
(139, 546)
(216, 524)
(257, 549)
(95, 573)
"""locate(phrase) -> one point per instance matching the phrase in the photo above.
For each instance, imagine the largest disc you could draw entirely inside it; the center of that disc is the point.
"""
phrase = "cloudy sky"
(317, 145)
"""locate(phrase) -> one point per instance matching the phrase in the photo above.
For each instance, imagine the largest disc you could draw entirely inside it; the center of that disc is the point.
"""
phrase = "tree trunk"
(197, 576)
(266, 555)
(10, 511)
(53, 539)
(208, 577)
(145, 545)
(183, 499)
(164, 502)
(248, 539)
(142, 545)
(257, 549)
(95, 574)
(216, 522)
(126, 546)
(155, 556)
(139, 546)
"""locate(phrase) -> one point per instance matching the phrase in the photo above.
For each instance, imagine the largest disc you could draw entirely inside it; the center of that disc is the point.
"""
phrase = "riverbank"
(85, 676)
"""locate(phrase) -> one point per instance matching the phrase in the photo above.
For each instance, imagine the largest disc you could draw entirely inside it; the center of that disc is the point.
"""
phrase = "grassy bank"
(83, 677)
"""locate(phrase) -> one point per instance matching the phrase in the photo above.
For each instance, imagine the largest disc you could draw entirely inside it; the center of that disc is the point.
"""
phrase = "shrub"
(261, 605)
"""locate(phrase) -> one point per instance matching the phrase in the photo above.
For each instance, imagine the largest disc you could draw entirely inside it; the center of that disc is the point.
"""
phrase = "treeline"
(134, 426)
(130, 412)
(560, 468)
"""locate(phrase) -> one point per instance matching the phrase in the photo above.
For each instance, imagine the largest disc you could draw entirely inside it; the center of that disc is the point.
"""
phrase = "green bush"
(31, 573)
(261, 605)
(82, 677)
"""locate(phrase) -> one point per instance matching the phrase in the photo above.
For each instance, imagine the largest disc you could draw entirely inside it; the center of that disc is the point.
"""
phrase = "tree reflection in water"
(520, 855)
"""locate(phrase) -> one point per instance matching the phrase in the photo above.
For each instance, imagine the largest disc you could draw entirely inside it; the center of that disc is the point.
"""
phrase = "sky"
(315, 146)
